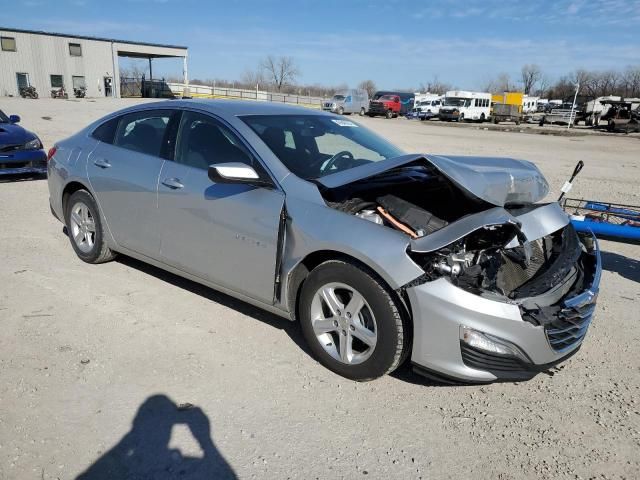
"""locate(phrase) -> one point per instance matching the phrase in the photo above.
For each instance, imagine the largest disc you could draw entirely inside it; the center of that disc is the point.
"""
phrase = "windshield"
(425, 102)
(312, 146)
(338, 98)
(3, 117)
(388, 97)
(456, 102)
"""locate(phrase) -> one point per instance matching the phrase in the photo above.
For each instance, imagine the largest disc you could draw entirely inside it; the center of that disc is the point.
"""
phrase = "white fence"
(205, 91)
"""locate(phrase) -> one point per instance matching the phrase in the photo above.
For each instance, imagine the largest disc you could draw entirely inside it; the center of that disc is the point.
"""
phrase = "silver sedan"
(381, 256)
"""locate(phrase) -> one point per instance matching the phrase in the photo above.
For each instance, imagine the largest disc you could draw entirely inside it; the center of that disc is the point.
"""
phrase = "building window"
(75, 50)
(8, 44)
(56, 81)
(78, 82)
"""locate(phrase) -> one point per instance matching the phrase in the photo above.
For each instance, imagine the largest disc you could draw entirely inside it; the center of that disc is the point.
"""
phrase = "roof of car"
(240, 107)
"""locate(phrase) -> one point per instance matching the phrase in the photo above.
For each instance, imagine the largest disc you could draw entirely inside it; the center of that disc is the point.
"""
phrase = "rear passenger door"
(123, 171)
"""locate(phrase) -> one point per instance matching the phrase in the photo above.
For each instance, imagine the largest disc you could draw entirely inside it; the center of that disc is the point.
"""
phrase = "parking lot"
(97, 360)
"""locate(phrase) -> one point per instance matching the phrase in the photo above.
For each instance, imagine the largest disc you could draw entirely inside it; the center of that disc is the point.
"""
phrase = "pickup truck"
(387, 105)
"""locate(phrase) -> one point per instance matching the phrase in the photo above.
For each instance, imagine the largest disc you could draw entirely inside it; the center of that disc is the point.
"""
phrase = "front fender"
(313, 227)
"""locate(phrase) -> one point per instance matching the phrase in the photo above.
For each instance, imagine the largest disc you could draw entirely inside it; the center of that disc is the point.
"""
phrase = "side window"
(56, 81)
(106, 131)
(143, 131)
(203, 141)
(348, 99)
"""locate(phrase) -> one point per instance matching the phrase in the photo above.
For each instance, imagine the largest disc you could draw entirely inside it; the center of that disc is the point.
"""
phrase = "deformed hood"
(498, 181)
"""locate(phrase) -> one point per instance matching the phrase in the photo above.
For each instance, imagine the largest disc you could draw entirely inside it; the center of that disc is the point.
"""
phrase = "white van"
(462, 105)
(427, 106)
(529, 104)
(348, 102)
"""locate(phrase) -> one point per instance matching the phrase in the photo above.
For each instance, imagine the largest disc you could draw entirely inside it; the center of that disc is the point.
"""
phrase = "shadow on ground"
(290, 328)
(144, 453)
(15, 178)
(624, 266)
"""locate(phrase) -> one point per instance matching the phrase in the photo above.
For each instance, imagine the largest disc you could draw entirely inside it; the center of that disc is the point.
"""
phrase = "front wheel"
(351, 321)
(85, 229)
(389, 114)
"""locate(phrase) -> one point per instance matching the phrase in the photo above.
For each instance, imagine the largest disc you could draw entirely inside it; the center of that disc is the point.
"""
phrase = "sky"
(395, 43)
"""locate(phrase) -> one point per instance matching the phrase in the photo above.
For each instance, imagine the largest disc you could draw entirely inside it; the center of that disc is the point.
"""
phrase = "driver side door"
(224, 233)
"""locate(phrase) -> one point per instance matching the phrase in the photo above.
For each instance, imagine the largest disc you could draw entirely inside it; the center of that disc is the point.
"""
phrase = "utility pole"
(573, 107)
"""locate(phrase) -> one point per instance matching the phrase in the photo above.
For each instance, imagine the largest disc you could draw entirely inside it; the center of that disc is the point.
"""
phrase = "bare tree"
(531, 75)
(630, 82)
(251, 78)
(436, 86)
(135, 69)
(543, 85)
(369, 86)
(502, 83)
(281, 71)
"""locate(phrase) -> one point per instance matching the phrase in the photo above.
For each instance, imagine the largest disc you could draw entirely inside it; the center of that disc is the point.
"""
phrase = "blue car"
(21, 151)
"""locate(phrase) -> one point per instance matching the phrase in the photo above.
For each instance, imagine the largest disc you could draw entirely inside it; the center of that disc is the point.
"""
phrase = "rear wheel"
(351, 321)
(85, 229)
(362, 112)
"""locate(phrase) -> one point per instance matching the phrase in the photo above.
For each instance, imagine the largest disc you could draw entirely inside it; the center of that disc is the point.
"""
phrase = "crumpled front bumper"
(440, 310)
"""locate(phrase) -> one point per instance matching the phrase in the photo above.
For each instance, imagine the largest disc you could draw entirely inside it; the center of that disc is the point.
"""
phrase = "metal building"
(49, 60)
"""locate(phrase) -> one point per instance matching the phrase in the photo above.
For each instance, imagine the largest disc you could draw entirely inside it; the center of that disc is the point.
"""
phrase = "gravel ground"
(122, 362)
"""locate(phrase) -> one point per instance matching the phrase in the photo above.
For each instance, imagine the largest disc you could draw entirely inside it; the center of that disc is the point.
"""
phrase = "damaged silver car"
(451, 262)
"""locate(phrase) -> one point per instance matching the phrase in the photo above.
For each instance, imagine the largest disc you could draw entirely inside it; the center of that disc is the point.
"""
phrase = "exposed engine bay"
(495, 260)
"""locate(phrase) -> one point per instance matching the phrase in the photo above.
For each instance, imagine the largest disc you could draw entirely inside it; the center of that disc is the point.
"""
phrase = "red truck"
(388, 105)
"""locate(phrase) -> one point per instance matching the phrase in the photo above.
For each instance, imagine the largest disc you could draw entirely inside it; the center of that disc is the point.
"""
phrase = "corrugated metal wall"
(41, 56)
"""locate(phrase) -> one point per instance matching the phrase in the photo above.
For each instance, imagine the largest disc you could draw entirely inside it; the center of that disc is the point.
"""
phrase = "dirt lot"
(94, 359)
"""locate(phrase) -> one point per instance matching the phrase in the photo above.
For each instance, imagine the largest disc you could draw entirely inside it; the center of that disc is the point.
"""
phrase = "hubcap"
(83, 227)
(344, 323)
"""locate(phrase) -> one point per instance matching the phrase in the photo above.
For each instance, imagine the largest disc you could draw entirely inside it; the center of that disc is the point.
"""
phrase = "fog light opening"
(489, 343)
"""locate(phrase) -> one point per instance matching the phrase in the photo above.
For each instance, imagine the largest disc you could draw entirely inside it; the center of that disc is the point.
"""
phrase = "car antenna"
(567, 185)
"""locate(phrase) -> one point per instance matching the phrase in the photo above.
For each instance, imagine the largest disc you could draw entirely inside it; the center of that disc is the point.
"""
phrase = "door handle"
(173, 183)
(101, 162)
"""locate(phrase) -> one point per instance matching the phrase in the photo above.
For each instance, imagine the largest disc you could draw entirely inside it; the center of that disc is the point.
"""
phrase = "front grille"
(481, 360)
(10, 148)
(571, 323)
(327, 105)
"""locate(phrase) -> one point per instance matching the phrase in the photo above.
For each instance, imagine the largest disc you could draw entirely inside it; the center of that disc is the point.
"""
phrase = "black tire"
(461, 118)
(482, 118)
(393, 338)
(100, 252)
(340, 111)
(362, 112)
(389, 114)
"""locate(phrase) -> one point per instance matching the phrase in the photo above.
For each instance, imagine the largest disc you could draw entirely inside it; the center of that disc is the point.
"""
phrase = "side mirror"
(14, 118)
(236, 172)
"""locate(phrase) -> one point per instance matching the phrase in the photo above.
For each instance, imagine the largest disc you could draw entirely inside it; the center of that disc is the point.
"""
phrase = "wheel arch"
(69, 189)
(301, 271)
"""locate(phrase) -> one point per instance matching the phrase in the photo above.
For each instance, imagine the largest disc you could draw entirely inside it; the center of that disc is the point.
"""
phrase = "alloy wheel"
(343, 323)
(83, 227)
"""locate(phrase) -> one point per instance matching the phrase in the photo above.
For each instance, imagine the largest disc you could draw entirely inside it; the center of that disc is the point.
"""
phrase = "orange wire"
(396, 223)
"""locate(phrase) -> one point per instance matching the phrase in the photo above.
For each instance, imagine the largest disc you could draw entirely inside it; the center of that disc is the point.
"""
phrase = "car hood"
(498, 181)
(12, 134)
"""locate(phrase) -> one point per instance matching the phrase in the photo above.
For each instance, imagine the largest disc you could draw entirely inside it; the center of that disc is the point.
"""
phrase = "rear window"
(143, 131)
(106, 131)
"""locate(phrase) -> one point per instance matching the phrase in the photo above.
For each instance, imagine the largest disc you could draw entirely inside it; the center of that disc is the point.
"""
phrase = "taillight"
(52, 152)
